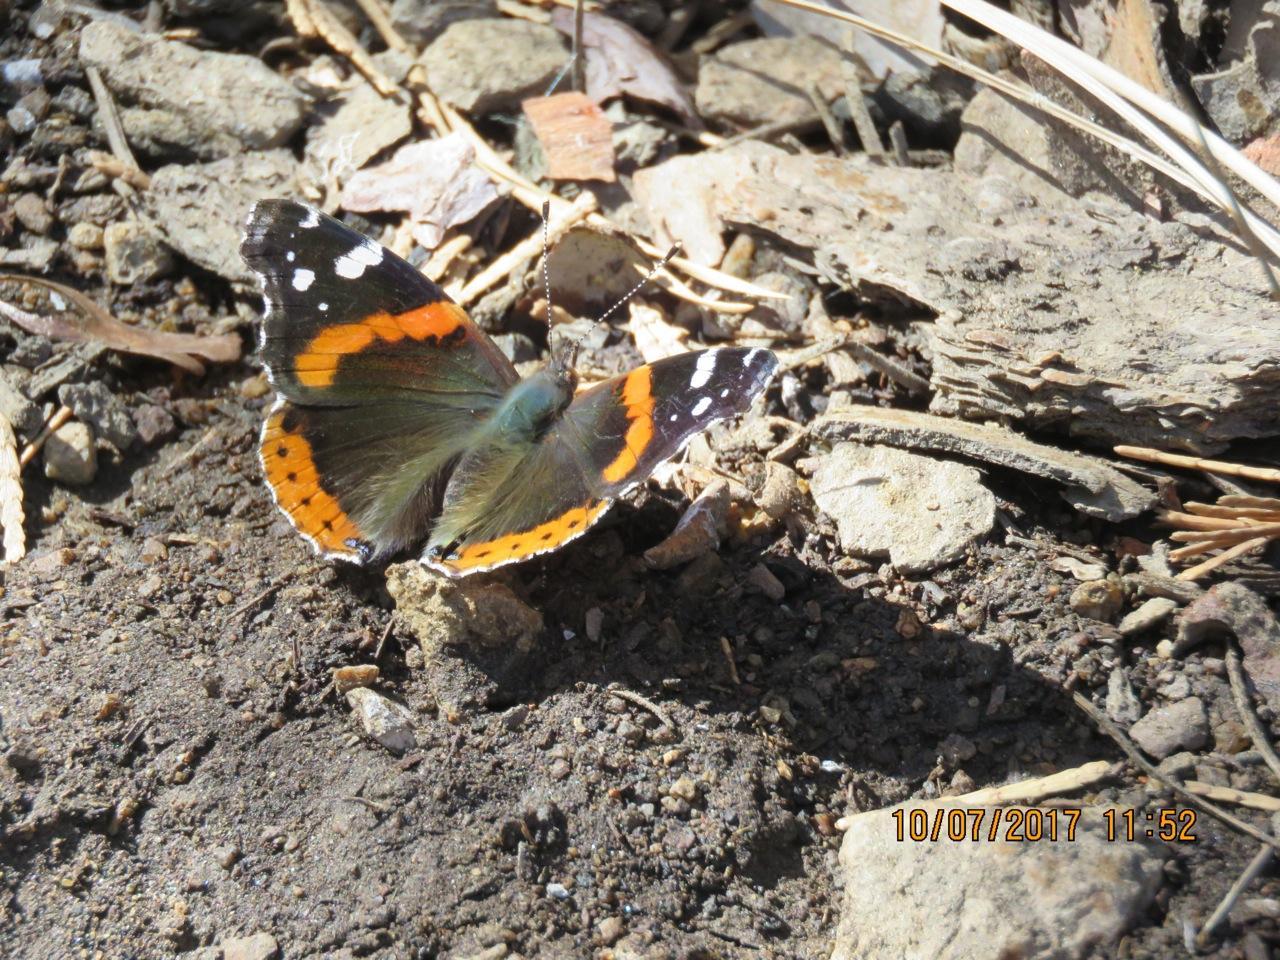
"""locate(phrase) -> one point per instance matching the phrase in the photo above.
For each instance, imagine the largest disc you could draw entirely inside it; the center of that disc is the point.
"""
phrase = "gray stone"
(206, 103)
(35, 254)
(27, 113)
(462, 68)
(97, 406)
(154, 423)
(1232, 609)
(1166, 730)
(762, 579)
(386, 721)
(257, 946)
(1244, 99)
(1098, 599)
(201, 207)
(70, 456)
(1123, 705)
(765, 81)
(1152, 613)
(421, 21)
(33, 212)
(780, 495)
(698, 532)
(1090, 484)
(134, 253)
(957, 900)
(23, 415)
(922, 513)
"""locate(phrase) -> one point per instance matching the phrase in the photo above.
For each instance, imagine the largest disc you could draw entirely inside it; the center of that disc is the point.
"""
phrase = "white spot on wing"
(312, 219)
(751, 356)
(674, 417)
(302, 279)
(724, 393)
(702, 372)
(700, 407)
(351, 265)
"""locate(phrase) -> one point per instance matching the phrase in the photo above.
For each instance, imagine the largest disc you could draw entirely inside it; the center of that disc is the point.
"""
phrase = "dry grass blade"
(1244, 472)
(1221, 509)
(1240, 500)
(380, 17)
(93, 324)
(1222, 559)
(1224, 537)
(11, 514)
(311, 18)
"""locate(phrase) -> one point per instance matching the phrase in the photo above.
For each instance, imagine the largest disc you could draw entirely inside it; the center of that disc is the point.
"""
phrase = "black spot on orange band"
(525, 543)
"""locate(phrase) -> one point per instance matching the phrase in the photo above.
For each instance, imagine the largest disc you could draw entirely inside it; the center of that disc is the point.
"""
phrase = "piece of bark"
(1091, 485)
(11, 513)
(576, 136)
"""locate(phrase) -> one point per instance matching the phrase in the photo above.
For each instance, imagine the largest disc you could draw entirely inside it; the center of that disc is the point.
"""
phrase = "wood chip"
(11, 513)
(576, 137)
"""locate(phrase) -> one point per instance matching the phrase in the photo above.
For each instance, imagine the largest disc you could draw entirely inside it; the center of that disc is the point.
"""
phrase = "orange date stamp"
(1033, 824)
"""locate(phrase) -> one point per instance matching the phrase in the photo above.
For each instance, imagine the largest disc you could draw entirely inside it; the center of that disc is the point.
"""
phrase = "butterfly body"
(399, 419)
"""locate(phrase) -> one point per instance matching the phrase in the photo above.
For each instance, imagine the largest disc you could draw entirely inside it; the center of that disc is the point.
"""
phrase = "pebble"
(557, 891)
(684, 789)
(463, 71)
(70, 456)
(1098, 599)
(780, 495)
(1122, 704)
(97, 406)
(421, 21)
(33, 212)
(153, 551)
(610, 930)
(697, 534)
(85, 236)
(258, 946)
(356, 675)
(155, 424)
(594, 624)
(762, 579)
(384, 720)
(134, 254)
(1166, 730)
(1151, 614)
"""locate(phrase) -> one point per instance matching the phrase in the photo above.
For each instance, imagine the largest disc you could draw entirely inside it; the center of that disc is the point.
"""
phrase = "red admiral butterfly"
(398, 418)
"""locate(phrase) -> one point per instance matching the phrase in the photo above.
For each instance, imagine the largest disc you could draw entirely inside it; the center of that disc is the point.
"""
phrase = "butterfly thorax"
(532, 406)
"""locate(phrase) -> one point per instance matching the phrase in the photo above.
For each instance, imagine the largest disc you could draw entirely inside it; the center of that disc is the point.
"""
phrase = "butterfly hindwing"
(609, 439)
(383, 380)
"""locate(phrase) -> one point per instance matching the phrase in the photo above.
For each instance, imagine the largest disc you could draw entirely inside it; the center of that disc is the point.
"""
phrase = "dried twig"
(623, 693)
(726, 647)
(1222, 559)
(311, 18)
(829, 121)
(579, 51)
(60, 416)
(1244, 472)
(898, 140)
(1261, 860)
(857, 101)
(380, 17)
(111, 121)
(11, 514)
(1124, 743)
(1257, 732)
(1241, 798)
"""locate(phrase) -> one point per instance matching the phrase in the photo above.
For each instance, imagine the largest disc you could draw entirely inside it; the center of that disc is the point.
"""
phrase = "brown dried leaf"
(620, 60)
(435, 181)
(576, 137)
(94, 325)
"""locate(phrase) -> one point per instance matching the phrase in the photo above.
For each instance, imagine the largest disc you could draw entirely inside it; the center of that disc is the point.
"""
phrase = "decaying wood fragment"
(11, 513)
(576, 137)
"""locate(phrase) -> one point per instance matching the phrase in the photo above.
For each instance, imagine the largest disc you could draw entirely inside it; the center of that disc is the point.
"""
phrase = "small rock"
(421, 21)
(780, 496)
(1151, 614)
(1054, 898)
(1123, 705)
(85, 236)
(763, 580)
(610, 930)
(134, 254)
(1078, 568)
(33, 212)
(155, 424)
(922, 512)
(70, 456)
(97, 406)
(698, 532)
(356, 675)
(438, 610)
(153, 550)
(684, 789)
(557, 891)
(258, 946)
(594, 624)
(35, 254)
(1166, 730)
(364, 124)
(204, 103)
(1098, 599)
(764, 81)
(463, 71)
(30, 109)
(384, 720)
(1232, 608)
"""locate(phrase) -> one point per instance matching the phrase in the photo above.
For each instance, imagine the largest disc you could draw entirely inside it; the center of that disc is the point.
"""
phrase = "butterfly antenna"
(653, 272)
(546, 270)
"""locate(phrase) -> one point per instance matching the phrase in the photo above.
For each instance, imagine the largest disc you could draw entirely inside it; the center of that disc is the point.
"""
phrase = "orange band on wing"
(291, 471)
(517, 546)
(317, 365)
(637, 397)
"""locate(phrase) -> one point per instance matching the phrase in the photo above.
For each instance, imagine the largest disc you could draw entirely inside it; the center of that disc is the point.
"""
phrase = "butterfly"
(398, 419)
